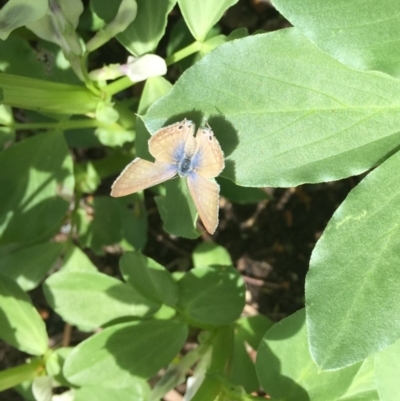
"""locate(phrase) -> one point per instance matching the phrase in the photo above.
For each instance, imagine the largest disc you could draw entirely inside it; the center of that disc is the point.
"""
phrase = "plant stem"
(183, 53)
(11, 377)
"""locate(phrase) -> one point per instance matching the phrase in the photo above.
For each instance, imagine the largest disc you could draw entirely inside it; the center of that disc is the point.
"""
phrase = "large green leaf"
(285, 112)
(363, 34)
(114, 355)
(35, 177)
(352, 292)
(286, 370)
(211, 295)
(201, 15)
(20, 323)
(149, 278)
(93, 299)
(28, 265)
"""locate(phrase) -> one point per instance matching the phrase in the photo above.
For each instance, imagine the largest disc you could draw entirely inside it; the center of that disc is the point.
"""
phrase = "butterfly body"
(178, 152)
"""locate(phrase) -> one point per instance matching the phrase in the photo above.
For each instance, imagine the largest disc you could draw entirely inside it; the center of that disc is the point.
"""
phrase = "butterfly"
(198, 159)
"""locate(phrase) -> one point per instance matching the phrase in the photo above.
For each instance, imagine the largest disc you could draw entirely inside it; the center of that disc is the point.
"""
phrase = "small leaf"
(126, 14)
(149, 278)
(28, 265)
(33, 188)
(387, 364)
(208, 254)
(121, 220)
(177, 209)
(143, 34)
(16, 13)
(119, 352)
(211, 295)
(101, 298)
(20, 324)
(253, 328)
(201, 15)
(76, 260)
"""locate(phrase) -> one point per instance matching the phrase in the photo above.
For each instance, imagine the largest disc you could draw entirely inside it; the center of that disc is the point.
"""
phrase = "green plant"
(309, 104)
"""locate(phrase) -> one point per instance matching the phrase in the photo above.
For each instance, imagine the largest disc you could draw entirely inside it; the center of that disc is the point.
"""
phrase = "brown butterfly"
(198, 159)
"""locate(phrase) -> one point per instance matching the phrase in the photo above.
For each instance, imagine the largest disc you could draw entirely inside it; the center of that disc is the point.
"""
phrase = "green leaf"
(305, 118)
(33, 185)
(362, 34)
(353, 273)
(387, 364)
(286, 370)
(208, 254)
(55, 362)
(125, 15)
(93, 299)
(46, 96)
(241, 195)
(125, 350)
(138, 390)
(364, 386)
(16, 13)
(211, 295)
(177, 209)
(76, 260)
(253, 328)
(20, 324)
(27, 266)
(149, 278)
(144, 33)
(249, 330)
(121, 220)
(201, 15)
(243, 370)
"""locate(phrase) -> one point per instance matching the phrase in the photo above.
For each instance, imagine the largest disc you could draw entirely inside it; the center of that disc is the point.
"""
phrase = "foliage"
(308, 104)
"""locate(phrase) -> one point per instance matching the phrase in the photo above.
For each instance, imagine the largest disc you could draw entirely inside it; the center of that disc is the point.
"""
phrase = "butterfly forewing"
(169, 142)
(210, 158)
(141, 174)
(205, 194)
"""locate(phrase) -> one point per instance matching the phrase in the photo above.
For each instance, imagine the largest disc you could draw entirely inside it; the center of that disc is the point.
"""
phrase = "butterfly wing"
(205, 194)
(209, 158)
(141, 174)
(168, 144)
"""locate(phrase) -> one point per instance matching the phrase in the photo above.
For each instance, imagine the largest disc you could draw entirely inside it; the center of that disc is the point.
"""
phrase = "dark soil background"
(270, 242)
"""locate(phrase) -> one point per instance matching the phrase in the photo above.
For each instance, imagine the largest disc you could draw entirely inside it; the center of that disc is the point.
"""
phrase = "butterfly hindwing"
(141, 174)
(170, 142)
(209, 156)
(205, 194)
